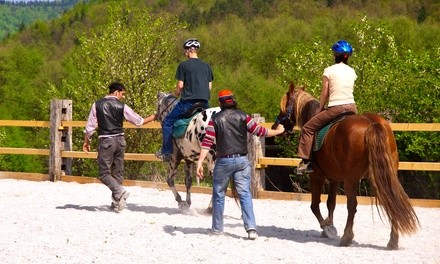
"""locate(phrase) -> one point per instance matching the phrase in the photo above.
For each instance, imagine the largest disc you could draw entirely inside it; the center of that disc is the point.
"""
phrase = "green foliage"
(17, 137)
(243, 83)
(18, 69)
(303, 64)
(134, 49)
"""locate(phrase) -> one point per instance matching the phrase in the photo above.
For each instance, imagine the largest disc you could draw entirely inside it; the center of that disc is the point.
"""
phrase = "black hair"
(115, 86)
(341, 58)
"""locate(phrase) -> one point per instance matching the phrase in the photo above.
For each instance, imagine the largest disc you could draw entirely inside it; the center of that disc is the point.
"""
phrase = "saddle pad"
(180, 127)
(319, 137)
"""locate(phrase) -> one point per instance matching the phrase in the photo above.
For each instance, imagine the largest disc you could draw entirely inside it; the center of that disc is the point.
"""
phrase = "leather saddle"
(195, 109)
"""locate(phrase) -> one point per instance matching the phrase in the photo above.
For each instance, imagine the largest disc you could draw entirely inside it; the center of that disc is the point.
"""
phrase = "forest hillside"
(16, 15)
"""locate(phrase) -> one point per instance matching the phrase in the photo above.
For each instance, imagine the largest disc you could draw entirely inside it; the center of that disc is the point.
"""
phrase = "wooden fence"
(61, 153)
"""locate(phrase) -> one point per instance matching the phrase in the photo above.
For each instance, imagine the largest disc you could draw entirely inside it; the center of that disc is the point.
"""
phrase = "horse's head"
(165, 103)
(287, 116)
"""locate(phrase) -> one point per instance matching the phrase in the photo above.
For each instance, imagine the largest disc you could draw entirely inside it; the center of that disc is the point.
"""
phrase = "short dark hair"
(115, 86)
(228, 105)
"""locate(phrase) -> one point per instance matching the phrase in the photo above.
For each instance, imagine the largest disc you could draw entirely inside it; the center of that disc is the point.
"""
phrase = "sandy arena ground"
(47, 222)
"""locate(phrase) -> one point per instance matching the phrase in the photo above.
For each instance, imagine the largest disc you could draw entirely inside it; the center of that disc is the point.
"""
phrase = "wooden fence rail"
(433, 127)
(261, 163)
(61, 153)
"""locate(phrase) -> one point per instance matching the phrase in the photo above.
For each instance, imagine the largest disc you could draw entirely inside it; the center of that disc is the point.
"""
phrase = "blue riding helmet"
(342, 47)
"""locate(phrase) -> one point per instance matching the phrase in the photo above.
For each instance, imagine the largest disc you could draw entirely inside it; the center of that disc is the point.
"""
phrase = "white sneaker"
(123, 200)
(252, 234)
(114, 205)
(211, 232)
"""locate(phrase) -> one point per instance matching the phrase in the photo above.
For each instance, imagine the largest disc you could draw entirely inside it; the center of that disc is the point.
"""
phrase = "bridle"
(289, 111)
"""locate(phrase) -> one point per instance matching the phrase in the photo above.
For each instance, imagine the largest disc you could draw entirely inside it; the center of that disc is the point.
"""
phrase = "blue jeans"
(168, 123)
(239, 169)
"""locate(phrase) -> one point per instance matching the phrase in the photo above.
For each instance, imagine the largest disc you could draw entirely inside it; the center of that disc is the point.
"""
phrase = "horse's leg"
(209, 209)
(350, 192)
(329, 228)
(189, 167)
(394, 237)
(316, 184)
(172, 171)
(331, 200)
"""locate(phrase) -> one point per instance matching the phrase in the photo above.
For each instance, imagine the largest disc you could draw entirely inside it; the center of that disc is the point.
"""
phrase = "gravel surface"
(47, 222)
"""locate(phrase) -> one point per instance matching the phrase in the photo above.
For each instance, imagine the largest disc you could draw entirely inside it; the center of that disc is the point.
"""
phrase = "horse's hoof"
(209, 210)
(329, 232)
(346, 240)
(392, 246)
(344, 244)
(184, 207)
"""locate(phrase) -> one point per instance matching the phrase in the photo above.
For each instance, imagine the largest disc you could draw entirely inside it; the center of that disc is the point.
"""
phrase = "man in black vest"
(227, 132)
(107, 114)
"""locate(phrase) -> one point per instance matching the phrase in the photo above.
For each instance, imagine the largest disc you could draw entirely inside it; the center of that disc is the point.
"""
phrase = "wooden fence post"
(60, 139)
(255, 151)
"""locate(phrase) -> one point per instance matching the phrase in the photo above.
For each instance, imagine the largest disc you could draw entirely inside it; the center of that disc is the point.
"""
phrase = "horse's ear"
(283, 103)
(291, 87)
(303, 87)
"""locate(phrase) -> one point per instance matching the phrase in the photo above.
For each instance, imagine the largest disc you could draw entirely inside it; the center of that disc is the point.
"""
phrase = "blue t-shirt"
(196, 76)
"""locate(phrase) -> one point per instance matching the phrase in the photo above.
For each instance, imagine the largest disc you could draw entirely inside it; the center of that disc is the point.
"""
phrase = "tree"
(134, 48)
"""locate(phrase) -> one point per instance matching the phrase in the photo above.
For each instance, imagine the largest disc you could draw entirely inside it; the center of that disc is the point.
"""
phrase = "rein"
(289, 110)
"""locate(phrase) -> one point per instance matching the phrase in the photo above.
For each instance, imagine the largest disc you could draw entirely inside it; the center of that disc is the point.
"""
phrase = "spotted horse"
(187, 147)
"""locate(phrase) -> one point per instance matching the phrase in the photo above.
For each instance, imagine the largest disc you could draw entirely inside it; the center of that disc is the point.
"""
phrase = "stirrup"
(163, 157)
(304, 168)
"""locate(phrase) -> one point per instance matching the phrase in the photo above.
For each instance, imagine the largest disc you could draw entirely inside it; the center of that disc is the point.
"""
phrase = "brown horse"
(359, 146)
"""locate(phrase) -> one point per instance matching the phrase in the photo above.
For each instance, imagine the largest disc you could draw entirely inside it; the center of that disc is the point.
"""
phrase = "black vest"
(230, 132)
(110, 114)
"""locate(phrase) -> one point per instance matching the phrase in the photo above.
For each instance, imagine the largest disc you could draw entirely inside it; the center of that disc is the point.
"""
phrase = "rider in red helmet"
(337, 93)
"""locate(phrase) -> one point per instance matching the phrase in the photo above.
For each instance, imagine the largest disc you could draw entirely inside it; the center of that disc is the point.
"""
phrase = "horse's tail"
(383, 175)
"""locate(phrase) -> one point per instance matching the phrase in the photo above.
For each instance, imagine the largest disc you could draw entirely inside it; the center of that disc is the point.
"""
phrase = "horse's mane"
(301, 102)
(302, 99)
(306, 106)
(164, 102)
